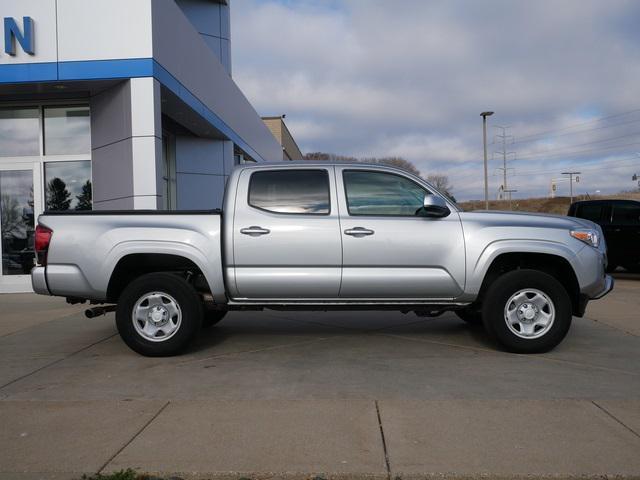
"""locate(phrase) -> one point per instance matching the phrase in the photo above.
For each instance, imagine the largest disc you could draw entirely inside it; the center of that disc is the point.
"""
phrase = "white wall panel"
(146, 117)
(147, 166)
(103, 29)
(43, 14)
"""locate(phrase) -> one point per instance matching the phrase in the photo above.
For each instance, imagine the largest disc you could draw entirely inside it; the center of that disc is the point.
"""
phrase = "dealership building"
(117, 104)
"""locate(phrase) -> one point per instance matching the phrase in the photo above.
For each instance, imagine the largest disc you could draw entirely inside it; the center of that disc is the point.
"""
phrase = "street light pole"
(484, 116)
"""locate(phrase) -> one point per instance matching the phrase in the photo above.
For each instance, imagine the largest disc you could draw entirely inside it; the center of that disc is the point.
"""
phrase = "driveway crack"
(55, 362)
(133, 438)
(384, 442)
(616, 419)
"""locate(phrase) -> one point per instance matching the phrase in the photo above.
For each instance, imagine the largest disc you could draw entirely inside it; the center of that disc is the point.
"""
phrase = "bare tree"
(328, 157)
(12, 225)
(397, 162)
(441, 182)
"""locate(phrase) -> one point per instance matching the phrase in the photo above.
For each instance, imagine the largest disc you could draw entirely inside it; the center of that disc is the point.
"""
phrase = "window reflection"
(68, 185)
(377, 193)
(17, 221)
(67, 130)
(19, 132)
(290, 191)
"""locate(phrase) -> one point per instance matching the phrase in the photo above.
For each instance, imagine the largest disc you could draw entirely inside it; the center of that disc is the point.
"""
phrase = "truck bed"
(83, 254)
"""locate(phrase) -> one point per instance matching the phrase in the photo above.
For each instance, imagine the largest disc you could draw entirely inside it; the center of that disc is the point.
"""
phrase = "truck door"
(286, 234)
(389, 251)
(624, 234)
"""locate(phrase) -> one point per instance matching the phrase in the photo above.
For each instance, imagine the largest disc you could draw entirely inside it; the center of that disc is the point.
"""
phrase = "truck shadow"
(255, 328)
(624, 275)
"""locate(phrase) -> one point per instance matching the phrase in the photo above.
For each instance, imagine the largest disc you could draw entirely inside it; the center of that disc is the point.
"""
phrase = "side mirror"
(434, 207)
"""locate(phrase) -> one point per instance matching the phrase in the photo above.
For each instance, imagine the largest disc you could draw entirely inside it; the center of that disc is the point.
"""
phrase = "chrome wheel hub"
(156, 316)
(529, 313)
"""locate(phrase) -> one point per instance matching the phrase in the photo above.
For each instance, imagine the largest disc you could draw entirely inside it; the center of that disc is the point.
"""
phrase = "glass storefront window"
(67, 130)
(16, 221)
(67, 185)
(19, 132)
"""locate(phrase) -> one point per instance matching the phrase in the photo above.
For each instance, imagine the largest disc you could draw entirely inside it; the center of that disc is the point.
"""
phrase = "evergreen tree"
(58, 196)
(84, 199)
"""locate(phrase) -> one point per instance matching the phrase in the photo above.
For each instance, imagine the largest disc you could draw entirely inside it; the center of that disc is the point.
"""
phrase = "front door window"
(17, 221)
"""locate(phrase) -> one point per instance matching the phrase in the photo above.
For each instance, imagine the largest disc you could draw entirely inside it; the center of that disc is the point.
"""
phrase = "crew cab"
(324, 236)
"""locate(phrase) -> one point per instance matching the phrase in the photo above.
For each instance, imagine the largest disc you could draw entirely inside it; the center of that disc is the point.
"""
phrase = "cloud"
(410, 78)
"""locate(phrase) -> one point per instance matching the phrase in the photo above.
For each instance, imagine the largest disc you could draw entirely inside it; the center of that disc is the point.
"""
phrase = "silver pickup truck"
(320, 236)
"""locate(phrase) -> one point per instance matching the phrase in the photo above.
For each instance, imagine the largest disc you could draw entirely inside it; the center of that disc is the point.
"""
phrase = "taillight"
(43, 238)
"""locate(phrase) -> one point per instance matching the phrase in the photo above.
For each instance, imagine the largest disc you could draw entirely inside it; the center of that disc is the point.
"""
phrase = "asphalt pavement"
(305, 394)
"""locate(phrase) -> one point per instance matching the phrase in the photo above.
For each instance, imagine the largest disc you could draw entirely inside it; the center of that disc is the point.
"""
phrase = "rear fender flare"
(188, 251)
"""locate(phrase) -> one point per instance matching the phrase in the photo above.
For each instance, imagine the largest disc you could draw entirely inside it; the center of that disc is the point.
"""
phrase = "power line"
(577, 125)
(592, 168)
(579, 153)
(615, 163)
(580, 131)
(621, 163)
(544, 152)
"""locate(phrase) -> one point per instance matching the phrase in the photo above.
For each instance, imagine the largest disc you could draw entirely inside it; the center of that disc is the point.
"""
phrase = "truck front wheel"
(158, 314)
(527, 311)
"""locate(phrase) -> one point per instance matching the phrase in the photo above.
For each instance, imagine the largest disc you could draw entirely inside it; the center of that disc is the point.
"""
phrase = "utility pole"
(503, 140)
(571, 174)
(484, 116)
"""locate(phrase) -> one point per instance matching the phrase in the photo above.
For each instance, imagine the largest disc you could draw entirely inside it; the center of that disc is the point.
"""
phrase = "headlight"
(588, 236)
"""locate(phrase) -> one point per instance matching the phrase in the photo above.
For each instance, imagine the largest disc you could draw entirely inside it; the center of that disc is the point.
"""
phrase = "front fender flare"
(477, 270)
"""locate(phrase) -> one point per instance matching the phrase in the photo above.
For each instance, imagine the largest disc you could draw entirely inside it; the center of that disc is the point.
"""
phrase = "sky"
(409, 78)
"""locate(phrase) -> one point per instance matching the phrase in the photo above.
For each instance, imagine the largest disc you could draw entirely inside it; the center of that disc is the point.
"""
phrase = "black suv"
(620, 222)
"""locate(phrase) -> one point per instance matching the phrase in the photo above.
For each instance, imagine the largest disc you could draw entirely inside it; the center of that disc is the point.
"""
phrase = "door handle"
(358, 232)
(255, 231)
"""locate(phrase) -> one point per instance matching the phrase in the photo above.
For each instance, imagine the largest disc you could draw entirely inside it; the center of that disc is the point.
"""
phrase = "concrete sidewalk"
(331, 394)
(322, 437)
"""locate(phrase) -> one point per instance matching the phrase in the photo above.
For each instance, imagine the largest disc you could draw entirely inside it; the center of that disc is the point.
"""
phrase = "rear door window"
(626, 214)
(291, 191)
(590, 212)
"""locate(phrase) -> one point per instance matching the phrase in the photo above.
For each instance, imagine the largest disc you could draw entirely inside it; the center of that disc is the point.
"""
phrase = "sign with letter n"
(13, 35)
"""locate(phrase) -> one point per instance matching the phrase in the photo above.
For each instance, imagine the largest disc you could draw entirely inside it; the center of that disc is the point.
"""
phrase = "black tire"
(212, 317)
(501, 291)
(470, 315)
(611, 267)
(187, 300)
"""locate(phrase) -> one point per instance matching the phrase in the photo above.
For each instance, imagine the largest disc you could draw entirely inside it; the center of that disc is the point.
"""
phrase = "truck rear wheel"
(527, 311)
(158, 314)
